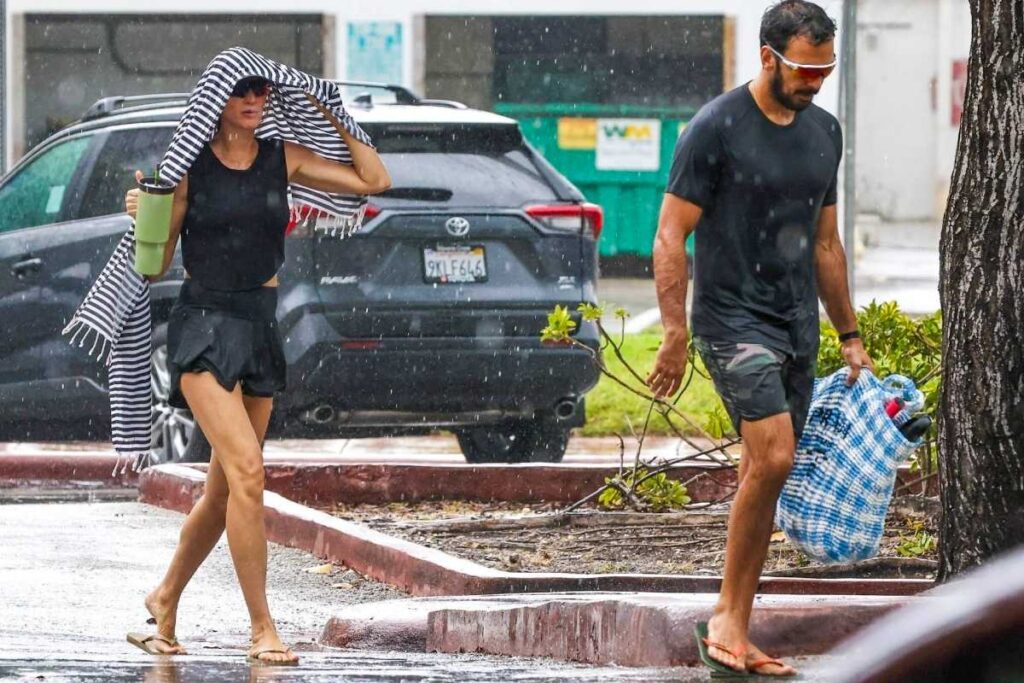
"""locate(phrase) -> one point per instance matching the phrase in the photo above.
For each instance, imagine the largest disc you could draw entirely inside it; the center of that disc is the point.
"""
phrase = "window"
(124, 152)
(36, 194)
(678, 61)
(457, 165)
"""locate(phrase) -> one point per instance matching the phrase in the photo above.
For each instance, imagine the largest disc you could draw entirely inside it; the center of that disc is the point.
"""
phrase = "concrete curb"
(423, 571)
(319, 482)
(645, 629)
(626, 629)
(316, 483)
(69, 470)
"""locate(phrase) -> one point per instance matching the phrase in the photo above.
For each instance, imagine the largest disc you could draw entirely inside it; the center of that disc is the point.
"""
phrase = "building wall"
(906, 133)
(408, 16)
(896, 108)
(73, 60)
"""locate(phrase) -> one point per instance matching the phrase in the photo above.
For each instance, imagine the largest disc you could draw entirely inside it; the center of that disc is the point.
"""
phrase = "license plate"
(454, 264)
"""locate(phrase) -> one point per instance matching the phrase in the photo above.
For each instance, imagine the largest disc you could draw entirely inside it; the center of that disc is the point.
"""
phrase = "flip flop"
(758, 663)
(254, 657)
(145, 643)
(723, 672)
(717, 667)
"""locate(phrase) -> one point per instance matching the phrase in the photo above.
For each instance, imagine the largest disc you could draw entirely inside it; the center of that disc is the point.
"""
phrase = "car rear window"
(458, 165)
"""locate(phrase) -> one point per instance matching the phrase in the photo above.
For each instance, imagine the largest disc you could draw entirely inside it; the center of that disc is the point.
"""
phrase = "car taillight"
(303, 219)
(300, 223)
(371, 211)
(570, 216)
(361, 344)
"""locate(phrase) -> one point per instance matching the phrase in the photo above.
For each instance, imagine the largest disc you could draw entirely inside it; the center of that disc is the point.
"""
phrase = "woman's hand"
(131, 199)
(366, 175)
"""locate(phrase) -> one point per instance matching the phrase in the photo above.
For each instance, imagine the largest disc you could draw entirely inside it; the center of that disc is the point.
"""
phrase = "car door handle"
(29, 265)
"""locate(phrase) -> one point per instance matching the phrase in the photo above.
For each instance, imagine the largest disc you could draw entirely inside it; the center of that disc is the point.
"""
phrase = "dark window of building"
(72, 60)
(650, 61)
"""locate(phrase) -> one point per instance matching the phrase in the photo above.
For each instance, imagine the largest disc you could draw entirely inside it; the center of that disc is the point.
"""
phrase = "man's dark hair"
(784, 20)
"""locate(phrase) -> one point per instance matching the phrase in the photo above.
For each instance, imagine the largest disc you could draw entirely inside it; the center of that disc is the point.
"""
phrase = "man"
(755, 175)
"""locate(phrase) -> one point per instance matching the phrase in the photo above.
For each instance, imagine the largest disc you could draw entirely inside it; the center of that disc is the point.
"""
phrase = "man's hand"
(670, 364)
(856, 357)
(131, 199)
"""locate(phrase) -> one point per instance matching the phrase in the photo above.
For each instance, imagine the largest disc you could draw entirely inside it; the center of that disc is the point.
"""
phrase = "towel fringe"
(82, 332)
(134, 461)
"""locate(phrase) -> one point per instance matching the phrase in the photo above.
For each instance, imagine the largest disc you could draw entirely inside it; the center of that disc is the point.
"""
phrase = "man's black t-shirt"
(761, 187)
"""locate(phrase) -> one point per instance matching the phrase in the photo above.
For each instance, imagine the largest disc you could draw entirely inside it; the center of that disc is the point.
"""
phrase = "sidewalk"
(74, 577)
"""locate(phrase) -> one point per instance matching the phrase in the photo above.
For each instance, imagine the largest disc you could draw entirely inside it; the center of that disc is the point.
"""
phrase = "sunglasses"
(257, 85)
(808, 72)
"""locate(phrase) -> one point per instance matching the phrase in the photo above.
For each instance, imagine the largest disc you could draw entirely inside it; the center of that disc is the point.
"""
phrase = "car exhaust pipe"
(565, 409)
(322, 414)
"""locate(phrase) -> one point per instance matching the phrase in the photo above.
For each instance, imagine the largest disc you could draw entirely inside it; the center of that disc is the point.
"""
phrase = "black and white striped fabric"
(114, 319)
(114, 322)
(288, 116)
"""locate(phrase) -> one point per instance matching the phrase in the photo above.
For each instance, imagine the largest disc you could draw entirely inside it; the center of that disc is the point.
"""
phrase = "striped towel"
(288, 116)
(114, 318)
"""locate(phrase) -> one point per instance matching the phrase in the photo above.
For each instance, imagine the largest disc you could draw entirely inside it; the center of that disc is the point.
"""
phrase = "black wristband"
(847, 336)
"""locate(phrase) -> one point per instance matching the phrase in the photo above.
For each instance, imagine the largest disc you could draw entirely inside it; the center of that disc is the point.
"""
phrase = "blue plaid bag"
(834, 502)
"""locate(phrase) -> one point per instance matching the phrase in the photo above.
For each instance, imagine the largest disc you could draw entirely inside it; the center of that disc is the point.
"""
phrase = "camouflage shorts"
(756, 381)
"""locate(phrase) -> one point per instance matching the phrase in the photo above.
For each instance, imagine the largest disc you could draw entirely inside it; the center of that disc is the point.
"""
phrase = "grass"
(611, 408)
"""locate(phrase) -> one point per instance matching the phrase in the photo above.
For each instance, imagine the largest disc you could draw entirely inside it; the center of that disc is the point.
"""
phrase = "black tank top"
(233, 234)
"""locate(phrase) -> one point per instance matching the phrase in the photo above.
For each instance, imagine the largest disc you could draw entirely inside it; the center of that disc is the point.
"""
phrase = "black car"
(426, 319)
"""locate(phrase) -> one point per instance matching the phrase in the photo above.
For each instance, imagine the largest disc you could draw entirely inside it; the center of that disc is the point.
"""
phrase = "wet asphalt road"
(72, 580)
(339, 666)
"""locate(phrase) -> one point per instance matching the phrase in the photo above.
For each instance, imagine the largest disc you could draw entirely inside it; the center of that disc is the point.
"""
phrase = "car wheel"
(174, 437)
(527, 441)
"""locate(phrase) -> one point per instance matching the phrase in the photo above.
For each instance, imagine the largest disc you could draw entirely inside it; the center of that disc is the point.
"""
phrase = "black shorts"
(756, 381)
(231, 335)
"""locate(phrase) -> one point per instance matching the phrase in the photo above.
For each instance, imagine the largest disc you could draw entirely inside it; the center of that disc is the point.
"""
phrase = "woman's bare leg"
(199, 534)
(202, 530)
(225, 420)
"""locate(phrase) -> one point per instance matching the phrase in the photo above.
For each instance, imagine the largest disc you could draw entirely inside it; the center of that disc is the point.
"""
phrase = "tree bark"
(981, 430)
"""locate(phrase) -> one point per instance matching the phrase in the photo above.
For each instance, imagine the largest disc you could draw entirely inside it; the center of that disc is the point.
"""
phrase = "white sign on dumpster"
(628, 144)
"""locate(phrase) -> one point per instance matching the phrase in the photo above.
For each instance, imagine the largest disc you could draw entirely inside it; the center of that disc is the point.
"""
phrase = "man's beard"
(786, 100)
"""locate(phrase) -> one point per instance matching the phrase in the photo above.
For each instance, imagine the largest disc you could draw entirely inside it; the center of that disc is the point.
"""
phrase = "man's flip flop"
(758, 663)
(146, 643)
(723, 672)
(717, 667)
(254, 657)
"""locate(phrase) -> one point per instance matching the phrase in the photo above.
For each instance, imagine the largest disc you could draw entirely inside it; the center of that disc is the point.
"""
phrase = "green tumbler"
(152, 224)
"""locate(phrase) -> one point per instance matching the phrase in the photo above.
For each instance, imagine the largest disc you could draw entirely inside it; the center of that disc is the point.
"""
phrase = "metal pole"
(848, 97)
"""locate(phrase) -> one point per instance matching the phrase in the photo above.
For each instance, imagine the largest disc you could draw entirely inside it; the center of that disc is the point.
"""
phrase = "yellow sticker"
(577, 133)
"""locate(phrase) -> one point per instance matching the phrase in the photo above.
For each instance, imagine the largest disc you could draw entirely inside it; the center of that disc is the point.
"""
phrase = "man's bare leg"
(768, 450)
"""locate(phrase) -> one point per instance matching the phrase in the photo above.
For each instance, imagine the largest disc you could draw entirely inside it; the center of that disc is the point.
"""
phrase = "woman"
(223, 345)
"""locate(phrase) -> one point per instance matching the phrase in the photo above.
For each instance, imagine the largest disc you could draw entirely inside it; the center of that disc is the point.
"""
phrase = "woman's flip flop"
(146, 642)
(254, 657)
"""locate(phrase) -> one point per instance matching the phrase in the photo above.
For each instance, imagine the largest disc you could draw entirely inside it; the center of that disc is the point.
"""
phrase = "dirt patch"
(534, 538)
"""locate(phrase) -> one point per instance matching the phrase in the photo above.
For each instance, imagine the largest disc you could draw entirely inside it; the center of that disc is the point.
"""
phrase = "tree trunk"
(981, 431)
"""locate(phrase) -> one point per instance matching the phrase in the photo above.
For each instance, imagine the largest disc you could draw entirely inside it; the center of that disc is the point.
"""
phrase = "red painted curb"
(644, 630)
(425, 571)
(318, 483)
(29, 469)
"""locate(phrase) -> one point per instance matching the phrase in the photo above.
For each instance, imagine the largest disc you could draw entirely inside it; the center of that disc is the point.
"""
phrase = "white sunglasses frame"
(796, 65)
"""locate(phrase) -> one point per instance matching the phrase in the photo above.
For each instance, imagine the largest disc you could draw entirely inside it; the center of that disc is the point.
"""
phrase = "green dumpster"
(618, 155)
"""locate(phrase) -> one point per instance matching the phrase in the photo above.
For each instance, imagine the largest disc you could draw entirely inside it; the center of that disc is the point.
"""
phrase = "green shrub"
(658, 493)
